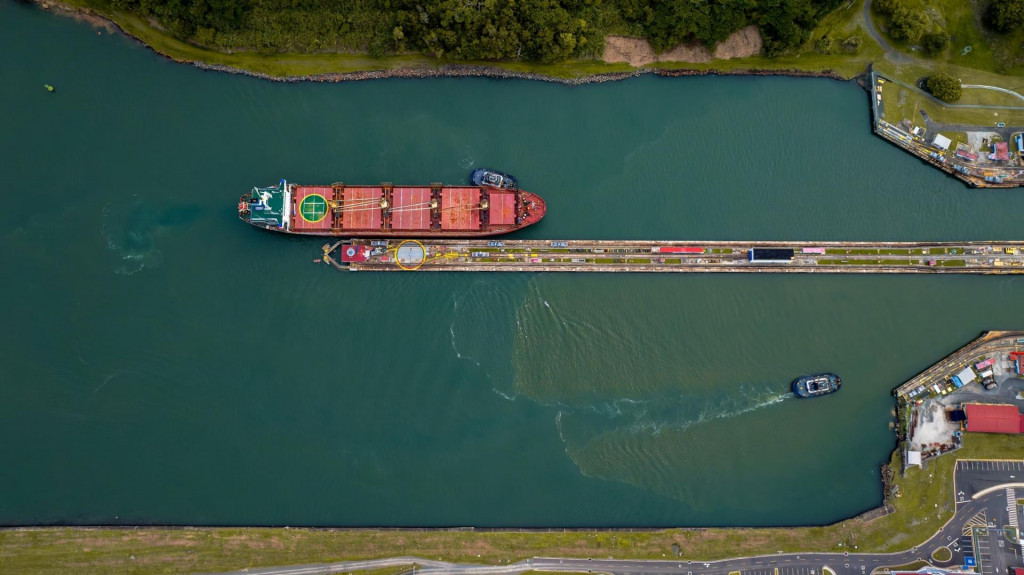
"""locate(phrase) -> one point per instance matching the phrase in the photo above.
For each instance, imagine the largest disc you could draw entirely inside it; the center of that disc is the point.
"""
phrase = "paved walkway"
(996, 88)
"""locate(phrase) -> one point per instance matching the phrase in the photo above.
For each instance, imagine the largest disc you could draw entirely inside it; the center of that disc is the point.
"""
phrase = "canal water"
(164, 363)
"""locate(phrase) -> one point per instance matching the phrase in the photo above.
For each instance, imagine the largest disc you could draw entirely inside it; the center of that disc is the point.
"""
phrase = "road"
(890, 53)
(991, 505)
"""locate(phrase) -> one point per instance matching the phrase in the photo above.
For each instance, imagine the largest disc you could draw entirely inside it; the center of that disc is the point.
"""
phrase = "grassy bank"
(926, 504)
(904, 103)
(284, 65)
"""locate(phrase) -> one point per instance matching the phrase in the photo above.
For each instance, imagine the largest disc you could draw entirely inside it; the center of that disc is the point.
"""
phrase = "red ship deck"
(310, 211)
(361, 208)
(459, 209)
(502, 208)
(354, 211)
(410, 209)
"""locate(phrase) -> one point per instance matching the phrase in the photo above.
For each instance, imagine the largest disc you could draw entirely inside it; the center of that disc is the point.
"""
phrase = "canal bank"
(925, 505)
(919, 504)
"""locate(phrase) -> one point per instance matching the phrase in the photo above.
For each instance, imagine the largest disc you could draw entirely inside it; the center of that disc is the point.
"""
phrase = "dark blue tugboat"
(815, 385)
(493, 179)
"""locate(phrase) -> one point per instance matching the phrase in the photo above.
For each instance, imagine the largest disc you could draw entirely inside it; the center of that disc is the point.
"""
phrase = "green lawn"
(899, 102)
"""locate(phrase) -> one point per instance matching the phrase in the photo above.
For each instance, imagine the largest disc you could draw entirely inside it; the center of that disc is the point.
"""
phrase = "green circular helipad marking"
(313, 208)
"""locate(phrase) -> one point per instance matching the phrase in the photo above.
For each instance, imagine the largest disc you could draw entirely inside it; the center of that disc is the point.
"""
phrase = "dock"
(988, 343)
(676, 256)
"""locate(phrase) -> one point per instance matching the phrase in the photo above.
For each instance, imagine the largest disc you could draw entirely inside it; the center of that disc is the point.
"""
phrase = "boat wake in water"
(634, 403)
(479, 329)
(131, 230)
(652, 443)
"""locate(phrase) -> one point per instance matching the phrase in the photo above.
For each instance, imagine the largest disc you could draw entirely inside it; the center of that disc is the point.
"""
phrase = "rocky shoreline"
(442, 71)
(468, 71)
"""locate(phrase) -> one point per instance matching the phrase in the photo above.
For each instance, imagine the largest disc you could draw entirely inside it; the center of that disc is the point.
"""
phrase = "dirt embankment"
(638, 52)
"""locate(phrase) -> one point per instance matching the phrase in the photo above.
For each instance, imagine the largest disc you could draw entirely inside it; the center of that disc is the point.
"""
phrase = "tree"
(885, 7)
(852, 44)
(1005, 15)
(908, 25)
(824, 45)
(935, 42)
(944, 87)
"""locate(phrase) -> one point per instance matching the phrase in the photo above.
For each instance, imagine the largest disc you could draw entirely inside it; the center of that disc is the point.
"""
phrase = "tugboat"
(493, 179)
(817, 384)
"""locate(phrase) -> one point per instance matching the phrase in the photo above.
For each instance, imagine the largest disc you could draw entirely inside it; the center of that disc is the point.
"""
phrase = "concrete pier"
(669, 256)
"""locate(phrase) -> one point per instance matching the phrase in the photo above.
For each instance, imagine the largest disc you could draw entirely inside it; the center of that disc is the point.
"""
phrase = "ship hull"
(389, 211)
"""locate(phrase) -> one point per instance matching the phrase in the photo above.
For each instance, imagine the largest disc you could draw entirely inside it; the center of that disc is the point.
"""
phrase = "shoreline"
(476, 71)
(892, 528)
(382, 70)
(452, 70)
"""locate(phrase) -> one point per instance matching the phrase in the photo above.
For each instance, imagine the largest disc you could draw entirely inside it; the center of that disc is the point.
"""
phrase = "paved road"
(890, 53)
(992, 506)
(1005, 132)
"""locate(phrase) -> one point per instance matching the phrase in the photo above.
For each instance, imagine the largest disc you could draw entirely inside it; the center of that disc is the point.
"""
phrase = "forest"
(544, 31)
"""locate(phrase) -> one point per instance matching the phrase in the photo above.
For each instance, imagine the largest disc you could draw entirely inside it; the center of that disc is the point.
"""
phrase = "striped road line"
(1011, 506)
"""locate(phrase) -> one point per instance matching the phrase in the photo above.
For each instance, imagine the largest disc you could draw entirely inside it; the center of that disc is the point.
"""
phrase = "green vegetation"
(934, 43)
(868, 262)
(545, 31)
(926, 504)
(784, 24)
(1005, 15)
(945, 87)
(942, 554)
(952, 263)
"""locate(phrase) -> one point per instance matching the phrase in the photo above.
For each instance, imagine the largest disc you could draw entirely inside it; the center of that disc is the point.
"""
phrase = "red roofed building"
(1001, 151)
(986, 418)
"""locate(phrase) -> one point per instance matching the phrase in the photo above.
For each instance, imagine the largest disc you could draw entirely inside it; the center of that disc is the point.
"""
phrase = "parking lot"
(973, 476)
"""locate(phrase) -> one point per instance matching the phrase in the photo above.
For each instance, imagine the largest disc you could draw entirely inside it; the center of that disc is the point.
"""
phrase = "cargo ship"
(816, 385)
(390, 211)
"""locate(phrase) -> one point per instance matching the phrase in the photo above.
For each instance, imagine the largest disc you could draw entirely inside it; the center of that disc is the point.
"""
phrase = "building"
(966, 154)
(1016, 357)
(1000, 151)
(964, 377)
(941, 142)
(1019, 138)
(772, 255)
(992, 418)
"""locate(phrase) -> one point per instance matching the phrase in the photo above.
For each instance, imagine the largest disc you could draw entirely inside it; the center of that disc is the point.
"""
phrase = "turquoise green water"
(164, 363)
